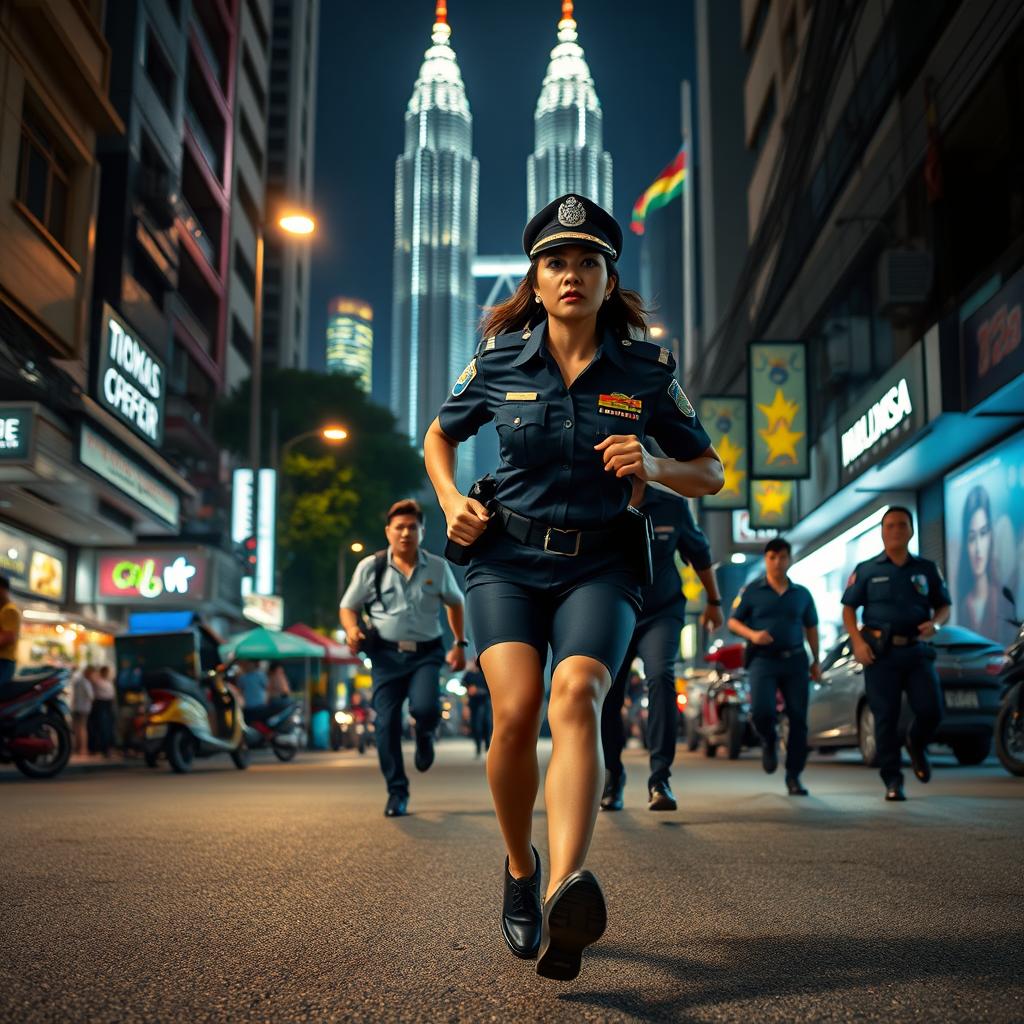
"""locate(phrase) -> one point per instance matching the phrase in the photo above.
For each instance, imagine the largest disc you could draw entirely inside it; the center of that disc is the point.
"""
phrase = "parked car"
(968, 665)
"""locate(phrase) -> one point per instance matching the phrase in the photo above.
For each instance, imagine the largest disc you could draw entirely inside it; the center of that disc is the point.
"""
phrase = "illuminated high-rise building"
(568, 153)
(436, 188)
(350, 339)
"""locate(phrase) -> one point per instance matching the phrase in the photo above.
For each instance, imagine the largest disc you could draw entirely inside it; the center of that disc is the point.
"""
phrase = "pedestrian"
(101, 715)
(82, 695)
(278, 688)
(905, 602)
(656, 642)
(574, 393)
(252, 684)
(401, 591)
(10, 632)
(775, 616)
(479, 701)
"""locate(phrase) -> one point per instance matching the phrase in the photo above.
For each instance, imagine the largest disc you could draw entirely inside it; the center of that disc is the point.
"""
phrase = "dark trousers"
(480, 725)
(656, 641)
(398, 676)
(902, 670)
(790, 676)
(101, 727)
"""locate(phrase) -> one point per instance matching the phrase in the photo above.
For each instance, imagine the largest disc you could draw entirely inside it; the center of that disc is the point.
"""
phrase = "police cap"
(573, 220)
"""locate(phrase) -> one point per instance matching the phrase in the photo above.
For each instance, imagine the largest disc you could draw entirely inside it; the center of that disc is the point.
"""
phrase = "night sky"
(370, 53)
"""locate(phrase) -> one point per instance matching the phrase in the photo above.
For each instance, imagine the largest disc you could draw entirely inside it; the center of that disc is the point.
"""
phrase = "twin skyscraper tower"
(434, 309)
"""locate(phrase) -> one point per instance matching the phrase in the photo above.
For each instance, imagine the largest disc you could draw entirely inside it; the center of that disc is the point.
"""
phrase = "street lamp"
(332, 434)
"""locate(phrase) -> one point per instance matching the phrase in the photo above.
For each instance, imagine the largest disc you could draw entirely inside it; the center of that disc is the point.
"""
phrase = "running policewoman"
(558, 560)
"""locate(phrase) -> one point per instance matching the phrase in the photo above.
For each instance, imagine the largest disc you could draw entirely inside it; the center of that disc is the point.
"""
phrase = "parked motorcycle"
(1009, 726)
(34, 723)
(352, 729)
(725, 705)
(183, 722)
(278, 725)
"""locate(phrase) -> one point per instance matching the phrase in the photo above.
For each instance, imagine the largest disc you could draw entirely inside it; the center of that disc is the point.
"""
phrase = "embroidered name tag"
(618, 404)
(521, 396)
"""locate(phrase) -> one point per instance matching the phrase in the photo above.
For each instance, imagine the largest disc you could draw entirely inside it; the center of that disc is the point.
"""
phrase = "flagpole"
(689, 268)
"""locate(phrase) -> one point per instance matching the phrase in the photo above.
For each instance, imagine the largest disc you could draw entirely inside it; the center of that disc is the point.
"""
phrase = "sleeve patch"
(465, 379)
(676, 393)
(853, 578)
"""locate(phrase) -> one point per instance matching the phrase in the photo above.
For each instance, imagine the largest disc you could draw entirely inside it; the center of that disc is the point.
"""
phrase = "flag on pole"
(661, 192)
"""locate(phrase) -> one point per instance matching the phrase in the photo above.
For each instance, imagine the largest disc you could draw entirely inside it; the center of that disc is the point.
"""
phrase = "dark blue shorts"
(576, 606)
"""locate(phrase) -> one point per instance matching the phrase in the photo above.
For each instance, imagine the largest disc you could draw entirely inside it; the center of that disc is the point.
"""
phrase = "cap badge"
(572, 213)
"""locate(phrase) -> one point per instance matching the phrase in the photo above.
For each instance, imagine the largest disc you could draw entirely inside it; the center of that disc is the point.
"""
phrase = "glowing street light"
(297, 224)
(334, 434)
(357, 548)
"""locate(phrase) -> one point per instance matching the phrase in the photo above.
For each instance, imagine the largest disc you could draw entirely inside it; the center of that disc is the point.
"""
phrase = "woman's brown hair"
(624, 311)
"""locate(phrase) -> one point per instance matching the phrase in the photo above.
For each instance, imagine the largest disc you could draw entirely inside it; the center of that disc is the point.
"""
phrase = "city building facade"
(887, 232)
(568, 153)
(290, 147)
(436, 195)
(350, 339)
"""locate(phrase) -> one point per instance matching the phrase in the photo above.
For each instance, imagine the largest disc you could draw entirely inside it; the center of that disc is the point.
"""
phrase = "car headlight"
(342, 718)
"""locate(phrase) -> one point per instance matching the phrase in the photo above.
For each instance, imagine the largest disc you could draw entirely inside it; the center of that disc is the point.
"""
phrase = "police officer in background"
(401, 591)
(574, 392)
(775, 615)
(656, 642)
(905, 601)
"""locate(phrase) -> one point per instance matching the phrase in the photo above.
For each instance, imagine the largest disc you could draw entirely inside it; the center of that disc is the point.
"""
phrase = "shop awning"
(262, 643)
(334, 653)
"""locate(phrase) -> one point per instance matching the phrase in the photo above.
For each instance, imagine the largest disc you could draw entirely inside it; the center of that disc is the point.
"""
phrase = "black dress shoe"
(795, 787)
(424, 750)
(661, 797)
(769, 758)
(894, 792)
(397, 806)
(611, 799)
(520, 912)
(574, 917)
(919, 760)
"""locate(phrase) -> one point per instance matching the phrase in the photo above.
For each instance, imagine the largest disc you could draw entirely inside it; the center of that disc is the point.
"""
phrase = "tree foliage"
(330, 495)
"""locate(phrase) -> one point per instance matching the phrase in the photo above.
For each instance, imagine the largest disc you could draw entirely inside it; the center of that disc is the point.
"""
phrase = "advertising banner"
(779, 448)
(985, 540)
(36, 567)
(725, 419)
(166, 577)
(16, 422)
(992, 351)
(772, 504)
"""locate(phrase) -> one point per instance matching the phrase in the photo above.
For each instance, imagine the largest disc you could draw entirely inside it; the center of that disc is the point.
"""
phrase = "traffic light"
(249, 546)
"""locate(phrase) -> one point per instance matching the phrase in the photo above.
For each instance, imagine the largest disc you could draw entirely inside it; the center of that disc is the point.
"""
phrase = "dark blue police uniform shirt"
(549, 470)
(784, 615)
(897, 596)
(674, 531)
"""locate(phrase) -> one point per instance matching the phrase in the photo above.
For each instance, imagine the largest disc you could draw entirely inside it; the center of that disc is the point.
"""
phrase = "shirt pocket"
(879, 589)
(522, 431)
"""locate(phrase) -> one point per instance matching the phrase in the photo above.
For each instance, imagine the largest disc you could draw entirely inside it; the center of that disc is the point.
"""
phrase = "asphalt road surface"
(282, 894)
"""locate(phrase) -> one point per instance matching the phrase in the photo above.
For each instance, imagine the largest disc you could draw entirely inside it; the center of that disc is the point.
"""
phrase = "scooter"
(182, 722)
(725, 705)
(353, 729)
(278, 725)
(34, 723)
(1009, 725)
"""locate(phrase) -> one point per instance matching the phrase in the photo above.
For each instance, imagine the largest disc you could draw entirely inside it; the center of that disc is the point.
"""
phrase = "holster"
(483, 490)
(371, 637)
(879, 644)
(638, 533)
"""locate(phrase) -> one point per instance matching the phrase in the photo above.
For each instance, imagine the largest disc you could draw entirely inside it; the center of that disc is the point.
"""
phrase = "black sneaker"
(521, 914)
(919, 761)
(795, 787)
(611, 799)
(574, 917)
(397, 806)
(894, 792)
(769, 758)
(661, 797)
(424, 750)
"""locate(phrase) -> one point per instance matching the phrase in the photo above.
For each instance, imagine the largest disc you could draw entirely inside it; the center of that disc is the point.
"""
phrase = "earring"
(536, 298)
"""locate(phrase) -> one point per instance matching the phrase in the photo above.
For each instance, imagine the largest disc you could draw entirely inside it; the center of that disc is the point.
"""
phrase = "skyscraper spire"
(568, 153)
(436, 188)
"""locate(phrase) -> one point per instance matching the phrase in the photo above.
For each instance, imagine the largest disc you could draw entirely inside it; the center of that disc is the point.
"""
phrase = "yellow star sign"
(731, 456)
(771, 497)
(780, 411)
(781, 441)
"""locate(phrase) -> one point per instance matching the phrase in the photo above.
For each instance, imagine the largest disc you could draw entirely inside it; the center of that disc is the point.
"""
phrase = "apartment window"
(43, 176)
(252, 76)
(159, 72)
(240, 340)
(789, 45)
(757, 28)
(764, 123)
(257, 19)
(251, 142)
(244, 270)
(248, 204)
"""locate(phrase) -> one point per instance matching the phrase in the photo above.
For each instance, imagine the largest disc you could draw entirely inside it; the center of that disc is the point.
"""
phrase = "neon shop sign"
(152, 577)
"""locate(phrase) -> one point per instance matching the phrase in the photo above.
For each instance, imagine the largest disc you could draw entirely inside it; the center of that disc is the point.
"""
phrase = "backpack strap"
(380, 564)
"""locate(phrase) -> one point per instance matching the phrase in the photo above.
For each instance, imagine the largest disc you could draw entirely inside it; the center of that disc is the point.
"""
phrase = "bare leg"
(515, 677)
(575, 776)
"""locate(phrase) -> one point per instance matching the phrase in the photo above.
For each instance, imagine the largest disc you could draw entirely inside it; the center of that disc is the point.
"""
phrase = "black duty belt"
(554, 539)
(896, 639)
(791, 652)
(409, 646)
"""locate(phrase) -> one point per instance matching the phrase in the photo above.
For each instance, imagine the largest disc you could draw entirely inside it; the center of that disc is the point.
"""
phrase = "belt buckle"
(408, 646)
(562, 554)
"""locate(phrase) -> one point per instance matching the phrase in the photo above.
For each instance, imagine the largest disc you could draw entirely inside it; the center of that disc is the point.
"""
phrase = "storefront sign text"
(993, 355)
(15, 433)
(131, 380)
(154, 576)
(888, 412)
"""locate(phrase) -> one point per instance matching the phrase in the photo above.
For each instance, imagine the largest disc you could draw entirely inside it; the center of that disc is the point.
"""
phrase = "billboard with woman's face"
(985, 540)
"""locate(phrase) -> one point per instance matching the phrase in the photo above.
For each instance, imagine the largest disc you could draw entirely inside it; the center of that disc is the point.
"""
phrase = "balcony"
(202, 140)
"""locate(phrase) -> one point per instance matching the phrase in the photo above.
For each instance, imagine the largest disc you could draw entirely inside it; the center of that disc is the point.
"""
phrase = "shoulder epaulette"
(497, 342)
(648, 350)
